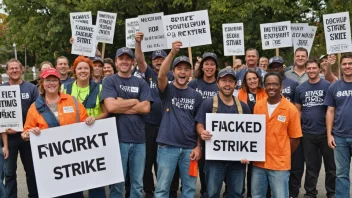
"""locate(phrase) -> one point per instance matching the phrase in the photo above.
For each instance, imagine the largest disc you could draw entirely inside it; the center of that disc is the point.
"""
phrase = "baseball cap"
(226, 71)
(323, 56)
(276, 59)
(49, 72)
(124, 50)
(181, 59)
(98, 59)
(209, 55)
(159, 53)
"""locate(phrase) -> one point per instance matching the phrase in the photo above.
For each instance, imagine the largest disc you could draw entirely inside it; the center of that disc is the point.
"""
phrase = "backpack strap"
(215, 104)
(77, 109)
(239, 106)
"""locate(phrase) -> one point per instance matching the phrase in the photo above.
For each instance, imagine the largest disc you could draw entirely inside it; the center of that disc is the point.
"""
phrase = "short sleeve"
(329, 98)
(192, 84)
(205, 107)
(297, 97)
(145, 92)
(198, 102)
(245, 108)
(294, 128)
(108, 90)
(165, 92)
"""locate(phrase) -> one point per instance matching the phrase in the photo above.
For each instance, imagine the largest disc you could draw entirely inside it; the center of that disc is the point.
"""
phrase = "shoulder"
(193, 83)
(29, 85)
(208, 102)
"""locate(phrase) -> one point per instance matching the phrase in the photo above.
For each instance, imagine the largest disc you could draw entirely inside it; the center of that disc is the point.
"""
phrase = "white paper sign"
(304, 38)
(233, 39)
(11, 108)
(276, 35)
(235, 137)
(81, 17)
(105, 27)
(84, 40)
(76, 157)
(337, 31)
(152, 27)
(191, 28)
(132, 27)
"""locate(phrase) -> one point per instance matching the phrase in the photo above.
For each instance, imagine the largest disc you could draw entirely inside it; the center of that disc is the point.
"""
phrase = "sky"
(1, 10)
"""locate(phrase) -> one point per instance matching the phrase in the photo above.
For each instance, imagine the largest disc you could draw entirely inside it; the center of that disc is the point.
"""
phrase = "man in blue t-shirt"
(177, 137)
(152, 119)
(339, 125)
(127, 98)
(309, 100)
(29, 93)
(215, 171)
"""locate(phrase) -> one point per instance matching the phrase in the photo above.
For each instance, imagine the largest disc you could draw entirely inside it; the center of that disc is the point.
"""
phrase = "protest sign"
(304, 37)
(152, 27)
(11, 108)
(233, 39)
(235, 137)
(276, 35)
(191, 28)
(337, 31)
(81, 17)
(76, 157)
(132, 27)
(105, 27)
(84, 40)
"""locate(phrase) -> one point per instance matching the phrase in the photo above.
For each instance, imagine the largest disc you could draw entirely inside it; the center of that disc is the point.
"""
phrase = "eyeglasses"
(272, 85)
(51, 81)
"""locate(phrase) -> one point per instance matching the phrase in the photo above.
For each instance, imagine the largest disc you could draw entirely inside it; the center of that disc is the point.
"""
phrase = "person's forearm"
(200, 128)
(4, 140)
(294, 144)
(140, 108)
(142, 65)
(165, 66)
(329, 121)
(120, 105)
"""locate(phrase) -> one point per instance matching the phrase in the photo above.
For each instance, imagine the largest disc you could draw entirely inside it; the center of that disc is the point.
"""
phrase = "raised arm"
(142, 65)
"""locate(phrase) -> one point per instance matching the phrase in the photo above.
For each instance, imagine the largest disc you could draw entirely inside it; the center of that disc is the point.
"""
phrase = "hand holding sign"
(332, 59)
(139, 37)
(10, 131)
(25, 136)
(89, 120)
(206, 135)
(176, 45)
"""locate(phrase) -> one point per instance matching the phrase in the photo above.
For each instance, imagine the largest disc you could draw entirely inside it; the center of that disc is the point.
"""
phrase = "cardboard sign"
(233, 39)
(81, 17)
(304, 37)
(235, 137)
(337, 32)
(191, 28)
(76, 157)
(105, 27)
(11, 108)
(132, 27)
(152, 27)
(84, 40)
(276, 35)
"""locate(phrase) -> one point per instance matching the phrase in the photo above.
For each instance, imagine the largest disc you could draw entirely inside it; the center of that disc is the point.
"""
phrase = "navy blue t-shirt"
(311, 97)
(205, 89)
(240, 75)
(130, 127)
(29, 93)
(151, 77)
(289, 88)
(339, 95)
(180, 107)
(67, 80)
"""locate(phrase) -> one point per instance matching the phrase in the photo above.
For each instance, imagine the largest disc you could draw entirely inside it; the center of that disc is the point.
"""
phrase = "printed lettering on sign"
(11, 107)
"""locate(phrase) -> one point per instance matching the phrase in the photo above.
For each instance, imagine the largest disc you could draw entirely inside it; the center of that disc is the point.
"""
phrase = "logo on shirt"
(281, 118)
(152, 84)
(286, 90)
(129, 89)
(206, 94)
(68, 109)
(313, 98)
(25, 95)
(183, 103)
(346, 93)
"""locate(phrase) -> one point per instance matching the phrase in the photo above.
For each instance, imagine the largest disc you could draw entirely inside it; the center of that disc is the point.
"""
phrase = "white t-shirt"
(271, 108)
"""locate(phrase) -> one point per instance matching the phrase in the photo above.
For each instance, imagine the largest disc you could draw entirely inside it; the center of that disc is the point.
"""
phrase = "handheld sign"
(276, 35)
(233, 39)
(304, 38)
(105, 27)
(81, 17)
(11, 108)
(191, 28)
(132, 27)
(337, 31)
(76, 157)
(152, 27)
(235, 137)
(85, 40)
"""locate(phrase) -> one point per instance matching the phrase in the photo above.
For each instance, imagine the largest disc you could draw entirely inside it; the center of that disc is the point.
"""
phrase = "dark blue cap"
(276, 59)
(124, 50)
(159, 53)
(226, 71)
(98, 59)
(181, 59)
(209, 55)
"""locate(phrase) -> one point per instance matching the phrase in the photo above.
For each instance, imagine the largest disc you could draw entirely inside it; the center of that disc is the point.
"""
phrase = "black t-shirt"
(251, 101)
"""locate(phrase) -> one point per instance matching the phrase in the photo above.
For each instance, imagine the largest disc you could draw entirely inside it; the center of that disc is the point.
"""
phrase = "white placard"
(11, 108)
(132, 27)
(235, 137)
(152, 27)
(276, 35)
(84, 40)
(337, 31)
(105, 27)
(233, 39)
(191, 28)
(81, 17)
(304, 38)
(76, 157)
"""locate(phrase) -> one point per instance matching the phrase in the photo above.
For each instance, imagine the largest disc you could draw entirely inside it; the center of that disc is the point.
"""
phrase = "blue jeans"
(168, 158)
(134, 154)
(342, 152)
(215, 172)
(278, 181)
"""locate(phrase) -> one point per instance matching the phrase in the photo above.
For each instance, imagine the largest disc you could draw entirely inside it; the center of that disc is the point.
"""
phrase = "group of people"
(161, 121)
